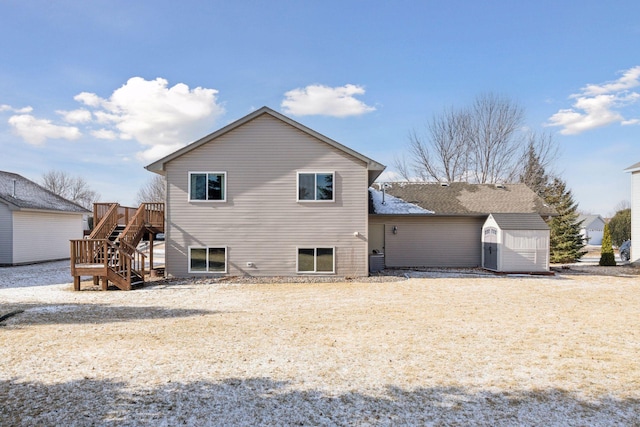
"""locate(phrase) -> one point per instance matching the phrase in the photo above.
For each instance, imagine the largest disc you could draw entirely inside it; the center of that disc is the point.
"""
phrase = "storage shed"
(513, 242)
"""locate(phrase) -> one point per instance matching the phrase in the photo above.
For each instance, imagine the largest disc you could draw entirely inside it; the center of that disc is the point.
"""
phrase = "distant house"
(441, 225)
(635, 211)
(592, 229)
(35, 224)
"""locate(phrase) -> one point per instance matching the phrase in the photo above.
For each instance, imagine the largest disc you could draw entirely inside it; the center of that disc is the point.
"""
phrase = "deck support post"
(76, 283)
(151, 236)
(105, 283)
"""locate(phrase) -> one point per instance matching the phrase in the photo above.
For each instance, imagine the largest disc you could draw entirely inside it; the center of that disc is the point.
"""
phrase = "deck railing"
(101, 254)
(154, 214)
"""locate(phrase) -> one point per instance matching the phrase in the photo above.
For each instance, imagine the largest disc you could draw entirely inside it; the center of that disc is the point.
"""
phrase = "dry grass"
(442, 350)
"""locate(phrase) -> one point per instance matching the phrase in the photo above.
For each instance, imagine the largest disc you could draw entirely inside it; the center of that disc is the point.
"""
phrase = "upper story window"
(315, 186)
(208, 186)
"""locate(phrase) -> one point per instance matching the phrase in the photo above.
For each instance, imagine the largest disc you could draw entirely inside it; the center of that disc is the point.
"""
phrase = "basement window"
(207, 259)
(316, 260)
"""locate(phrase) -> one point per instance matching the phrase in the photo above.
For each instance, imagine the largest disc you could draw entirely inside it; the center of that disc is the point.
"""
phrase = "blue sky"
(102, 88)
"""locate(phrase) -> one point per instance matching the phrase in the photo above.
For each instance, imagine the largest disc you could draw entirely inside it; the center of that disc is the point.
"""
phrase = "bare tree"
(152, 191)
(482, 143)
(74, 188)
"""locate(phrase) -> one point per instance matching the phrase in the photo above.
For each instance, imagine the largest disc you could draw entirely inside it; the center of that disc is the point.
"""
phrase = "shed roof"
(520, 221)
(464, 199)
(20, 193)
(374, 168)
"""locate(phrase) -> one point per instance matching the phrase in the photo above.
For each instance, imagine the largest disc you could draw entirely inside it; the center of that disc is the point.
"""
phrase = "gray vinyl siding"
(635, 217)
(261, 222)
(431, 241)
(44, 236)
(6, 235)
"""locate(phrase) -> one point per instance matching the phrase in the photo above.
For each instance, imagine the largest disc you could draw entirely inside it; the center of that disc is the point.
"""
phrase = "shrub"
(607, 257)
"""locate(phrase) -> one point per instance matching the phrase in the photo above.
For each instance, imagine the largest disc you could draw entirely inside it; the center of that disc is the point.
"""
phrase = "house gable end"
(372, 166)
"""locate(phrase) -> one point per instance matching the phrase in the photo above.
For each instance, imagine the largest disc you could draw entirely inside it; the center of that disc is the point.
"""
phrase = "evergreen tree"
(566, 242)
(534, 175)
(607, 258)
(620, 226)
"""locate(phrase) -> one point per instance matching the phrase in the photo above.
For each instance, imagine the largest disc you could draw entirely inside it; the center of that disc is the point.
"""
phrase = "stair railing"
(132, 234)
(137, 258)
(107, 223)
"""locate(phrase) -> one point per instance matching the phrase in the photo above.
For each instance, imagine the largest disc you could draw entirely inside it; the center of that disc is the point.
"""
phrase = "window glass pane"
(217, 259)
(198, 259)
(306, 184)
(324, 186)
(198, 186)
(324, 259)
(216, 187)
(305, 259)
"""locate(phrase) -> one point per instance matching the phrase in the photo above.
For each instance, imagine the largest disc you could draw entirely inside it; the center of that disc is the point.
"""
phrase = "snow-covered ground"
(447, 348)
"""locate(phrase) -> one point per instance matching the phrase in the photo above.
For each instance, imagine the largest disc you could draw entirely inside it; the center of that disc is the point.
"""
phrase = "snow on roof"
(25, 194)
(393, 205)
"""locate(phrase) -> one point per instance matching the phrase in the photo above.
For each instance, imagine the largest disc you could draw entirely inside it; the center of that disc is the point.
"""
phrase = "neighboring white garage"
(440, 225)
(35, 224)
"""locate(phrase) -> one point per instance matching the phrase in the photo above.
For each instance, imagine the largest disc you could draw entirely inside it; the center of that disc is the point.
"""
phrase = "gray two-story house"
(266, 196)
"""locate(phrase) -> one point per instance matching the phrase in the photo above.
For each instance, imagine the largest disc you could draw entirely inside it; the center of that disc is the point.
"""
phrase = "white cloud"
(76, 116)
(104, 134)
(36, 131)
(157, 152)
(90, 99)
(23, 110)
(324, 100)
(599, 105)
(154, 114)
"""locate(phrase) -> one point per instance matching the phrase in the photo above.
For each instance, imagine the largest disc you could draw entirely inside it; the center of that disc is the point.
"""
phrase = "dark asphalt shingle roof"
(29, 195)
(460, 198)
(520, 221)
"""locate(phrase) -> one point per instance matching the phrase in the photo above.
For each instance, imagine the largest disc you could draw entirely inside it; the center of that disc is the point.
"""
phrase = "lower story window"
(316, 260)
(208, 260)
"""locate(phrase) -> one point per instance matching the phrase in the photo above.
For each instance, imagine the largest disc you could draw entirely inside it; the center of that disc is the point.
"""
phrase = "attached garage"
(515, 243)
(429, 241)
(424, 225)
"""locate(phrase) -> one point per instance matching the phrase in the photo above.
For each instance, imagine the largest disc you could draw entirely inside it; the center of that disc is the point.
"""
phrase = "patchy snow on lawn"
(42, 274)
(386, 205)
(445, 347)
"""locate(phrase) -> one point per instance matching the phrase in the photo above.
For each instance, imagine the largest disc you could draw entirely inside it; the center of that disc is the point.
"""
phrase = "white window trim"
(315, 260)
(226, 259)
(224, 195)
(333, 173)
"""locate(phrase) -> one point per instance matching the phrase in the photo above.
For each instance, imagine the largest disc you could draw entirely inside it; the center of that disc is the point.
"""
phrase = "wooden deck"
(110, 252)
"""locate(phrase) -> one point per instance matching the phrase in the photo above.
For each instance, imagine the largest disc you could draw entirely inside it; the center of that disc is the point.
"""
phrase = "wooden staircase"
(110, 252)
